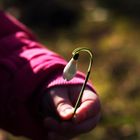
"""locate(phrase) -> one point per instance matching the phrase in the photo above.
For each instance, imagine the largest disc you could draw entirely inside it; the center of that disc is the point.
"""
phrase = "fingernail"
(67, 113)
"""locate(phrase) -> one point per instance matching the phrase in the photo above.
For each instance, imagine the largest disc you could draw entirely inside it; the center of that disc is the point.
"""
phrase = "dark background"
(111, 29)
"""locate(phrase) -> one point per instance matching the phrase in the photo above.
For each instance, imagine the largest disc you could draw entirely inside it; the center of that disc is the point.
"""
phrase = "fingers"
(62, 102)
(90, 106)
(67, 130)
(87, 115)
(58, 130)
(87, 125)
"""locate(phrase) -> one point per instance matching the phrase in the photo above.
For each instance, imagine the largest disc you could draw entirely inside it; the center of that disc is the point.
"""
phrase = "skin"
(69, 126)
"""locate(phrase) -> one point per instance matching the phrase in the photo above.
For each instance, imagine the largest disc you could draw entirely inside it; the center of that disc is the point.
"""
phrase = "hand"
(63, 100)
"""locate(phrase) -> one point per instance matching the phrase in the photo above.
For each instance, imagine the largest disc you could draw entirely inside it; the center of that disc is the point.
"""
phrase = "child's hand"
(85, 119)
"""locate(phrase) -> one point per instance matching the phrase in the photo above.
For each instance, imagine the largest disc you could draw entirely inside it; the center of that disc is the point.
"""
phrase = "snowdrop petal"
(70, 70)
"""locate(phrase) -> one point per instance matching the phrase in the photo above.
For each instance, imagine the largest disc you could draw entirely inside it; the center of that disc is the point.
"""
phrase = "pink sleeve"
(25, 67)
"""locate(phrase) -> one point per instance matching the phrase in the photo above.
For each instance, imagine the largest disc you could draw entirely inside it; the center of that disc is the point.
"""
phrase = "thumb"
(62, 103)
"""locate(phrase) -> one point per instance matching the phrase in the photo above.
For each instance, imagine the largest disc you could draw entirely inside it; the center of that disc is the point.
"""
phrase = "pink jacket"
(26, 69)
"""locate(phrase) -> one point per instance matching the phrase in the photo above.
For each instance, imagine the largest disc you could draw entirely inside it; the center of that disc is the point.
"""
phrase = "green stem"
(75, 52)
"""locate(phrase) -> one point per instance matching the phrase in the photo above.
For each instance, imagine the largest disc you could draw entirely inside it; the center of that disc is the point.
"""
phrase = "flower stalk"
(71, 68)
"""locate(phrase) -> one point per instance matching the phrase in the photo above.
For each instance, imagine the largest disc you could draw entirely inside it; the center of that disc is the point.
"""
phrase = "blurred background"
(111, 29)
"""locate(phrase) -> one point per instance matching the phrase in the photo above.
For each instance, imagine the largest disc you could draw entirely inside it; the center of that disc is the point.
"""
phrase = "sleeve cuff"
(79, 79)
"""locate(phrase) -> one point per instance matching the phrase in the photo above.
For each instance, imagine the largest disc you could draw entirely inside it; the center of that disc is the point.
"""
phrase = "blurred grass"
(115, 42)
(116, 74)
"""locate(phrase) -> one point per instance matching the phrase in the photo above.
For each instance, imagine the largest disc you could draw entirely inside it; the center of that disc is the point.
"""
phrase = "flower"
(70, 70)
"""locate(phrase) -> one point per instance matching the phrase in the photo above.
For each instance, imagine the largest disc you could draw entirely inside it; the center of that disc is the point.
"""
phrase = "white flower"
(70, 70)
